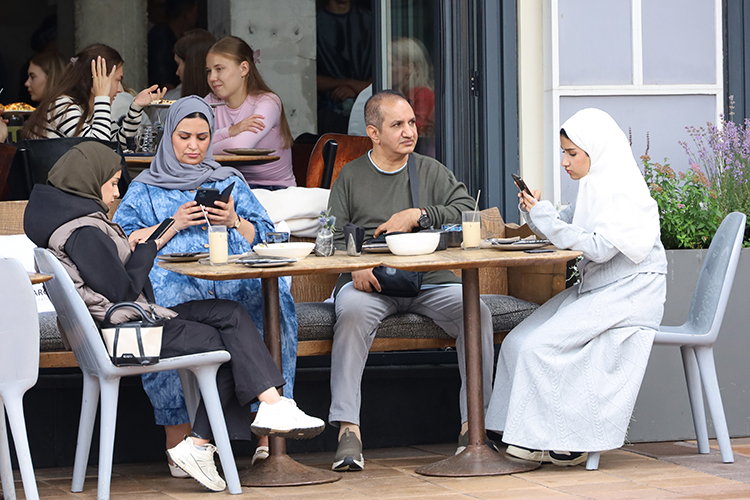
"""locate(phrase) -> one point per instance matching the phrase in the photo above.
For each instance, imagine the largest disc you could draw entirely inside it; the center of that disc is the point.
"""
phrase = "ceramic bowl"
(413, 243)
(298, 250)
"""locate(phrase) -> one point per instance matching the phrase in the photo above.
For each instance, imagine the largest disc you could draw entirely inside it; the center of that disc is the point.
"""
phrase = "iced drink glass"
(472, 228)
(218, 253)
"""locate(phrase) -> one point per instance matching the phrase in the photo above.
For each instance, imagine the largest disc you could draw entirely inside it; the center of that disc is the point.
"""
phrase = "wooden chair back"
(350, 147)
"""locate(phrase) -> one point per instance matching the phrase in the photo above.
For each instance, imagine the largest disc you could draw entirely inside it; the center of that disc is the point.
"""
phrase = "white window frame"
(554, 91)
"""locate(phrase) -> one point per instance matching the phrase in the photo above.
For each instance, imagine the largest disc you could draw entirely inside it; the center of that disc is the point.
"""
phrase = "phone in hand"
(521, 185)
(207, 196)
(159, 231)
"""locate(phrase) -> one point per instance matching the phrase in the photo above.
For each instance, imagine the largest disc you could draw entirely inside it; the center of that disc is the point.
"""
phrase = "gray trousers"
(358, 315)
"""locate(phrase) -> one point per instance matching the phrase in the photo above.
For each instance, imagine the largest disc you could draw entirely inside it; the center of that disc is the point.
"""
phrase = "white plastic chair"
(101, 377)
(19, 370)
(697, 335)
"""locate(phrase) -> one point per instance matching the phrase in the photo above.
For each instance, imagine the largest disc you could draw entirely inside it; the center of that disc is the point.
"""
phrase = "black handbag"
(397, 282)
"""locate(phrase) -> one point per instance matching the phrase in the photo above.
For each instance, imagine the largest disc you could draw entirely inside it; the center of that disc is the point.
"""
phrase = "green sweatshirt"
(366, 196)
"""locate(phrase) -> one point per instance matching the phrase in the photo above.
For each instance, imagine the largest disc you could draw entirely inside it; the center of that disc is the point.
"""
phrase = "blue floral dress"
(146, 205)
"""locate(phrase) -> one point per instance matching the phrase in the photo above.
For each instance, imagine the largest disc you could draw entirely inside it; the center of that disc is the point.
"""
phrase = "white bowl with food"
(421, 243)
(295, 249)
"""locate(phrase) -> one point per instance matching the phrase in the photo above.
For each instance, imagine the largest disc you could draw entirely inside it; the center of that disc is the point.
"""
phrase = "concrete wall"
(121, 25)
(287, 49)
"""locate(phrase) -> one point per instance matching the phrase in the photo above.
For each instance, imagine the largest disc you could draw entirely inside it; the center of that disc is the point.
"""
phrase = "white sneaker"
(261, 453)
(177, 472)
(198, 463)
(284, 419)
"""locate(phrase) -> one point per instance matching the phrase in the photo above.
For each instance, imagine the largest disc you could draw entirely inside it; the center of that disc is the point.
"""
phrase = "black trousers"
(212, 325)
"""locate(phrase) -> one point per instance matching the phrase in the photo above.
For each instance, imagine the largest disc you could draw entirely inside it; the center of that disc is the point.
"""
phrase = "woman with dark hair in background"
(254, 115)
(45, 70)
(190, 55)
(80, 105)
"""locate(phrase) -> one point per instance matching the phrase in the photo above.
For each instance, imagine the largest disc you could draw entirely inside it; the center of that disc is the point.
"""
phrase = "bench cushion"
(50, 340)
(316, 320)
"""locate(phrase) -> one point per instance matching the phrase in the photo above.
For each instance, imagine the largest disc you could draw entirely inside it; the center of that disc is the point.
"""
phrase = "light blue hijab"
(166, 171)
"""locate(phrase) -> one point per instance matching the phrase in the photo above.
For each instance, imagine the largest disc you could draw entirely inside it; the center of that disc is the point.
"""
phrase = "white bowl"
(413, 243)
(298, 250)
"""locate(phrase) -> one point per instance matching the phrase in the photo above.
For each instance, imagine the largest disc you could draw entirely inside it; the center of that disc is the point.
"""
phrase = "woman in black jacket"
(69, 216)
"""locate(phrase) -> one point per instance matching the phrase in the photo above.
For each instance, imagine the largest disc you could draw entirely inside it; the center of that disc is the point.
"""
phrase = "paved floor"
(643, 471)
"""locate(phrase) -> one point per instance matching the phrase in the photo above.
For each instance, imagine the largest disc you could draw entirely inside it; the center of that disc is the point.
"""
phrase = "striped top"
(63, 116)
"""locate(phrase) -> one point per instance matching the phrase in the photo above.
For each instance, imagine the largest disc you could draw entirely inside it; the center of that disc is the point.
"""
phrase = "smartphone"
(521, 185)
(207, 196)
(539, 250)
(159, 231)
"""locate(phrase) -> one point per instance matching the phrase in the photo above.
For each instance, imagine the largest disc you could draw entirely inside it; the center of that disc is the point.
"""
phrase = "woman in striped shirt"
(80, 105)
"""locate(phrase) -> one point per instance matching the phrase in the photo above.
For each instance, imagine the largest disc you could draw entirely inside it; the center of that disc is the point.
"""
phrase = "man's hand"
(403, 222)
(365, 281)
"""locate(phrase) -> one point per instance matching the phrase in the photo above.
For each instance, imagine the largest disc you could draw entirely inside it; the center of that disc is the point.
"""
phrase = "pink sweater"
(277, 173)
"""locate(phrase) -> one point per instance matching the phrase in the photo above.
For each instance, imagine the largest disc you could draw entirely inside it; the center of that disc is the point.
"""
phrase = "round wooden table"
(477, 459)
(37, 278)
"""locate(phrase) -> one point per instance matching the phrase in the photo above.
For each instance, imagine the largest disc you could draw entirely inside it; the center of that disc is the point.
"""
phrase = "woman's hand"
(136, 237)
(147, 96)
(3, 130)
(528, 202)
(102, 81)
(224, 215)
(253, 123)
(189, 214)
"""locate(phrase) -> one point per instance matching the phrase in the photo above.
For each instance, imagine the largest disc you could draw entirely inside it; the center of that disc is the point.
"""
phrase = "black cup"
(354, 236)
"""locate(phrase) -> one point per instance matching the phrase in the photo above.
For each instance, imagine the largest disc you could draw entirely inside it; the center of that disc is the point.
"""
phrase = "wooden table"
(136, 164)
(477, 459)
(37, 278)
(143, 161)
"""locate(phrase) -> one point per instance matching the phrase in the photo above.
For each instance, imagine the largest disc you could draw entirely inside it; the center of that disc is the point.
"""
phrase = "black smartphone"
(521, 185)
(539, 250)
(159, 231)
(207, 196)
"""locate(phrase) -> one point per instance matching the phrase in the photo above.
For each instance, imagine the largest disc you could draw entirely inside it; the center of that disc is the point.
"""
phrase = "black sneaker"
(528, 454)
(463, 442)
(568, 458)
(349, 454)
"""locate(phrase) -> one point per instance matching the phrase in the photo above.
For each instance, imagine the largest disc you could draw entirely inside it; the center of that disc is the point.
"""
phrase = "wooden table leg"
(279, 469)
(477, 459)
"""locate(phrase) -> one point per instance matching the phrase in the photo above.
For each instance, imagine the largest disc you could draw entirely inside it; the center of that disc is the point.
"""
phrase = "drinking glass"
(218, 252)
(471, 223)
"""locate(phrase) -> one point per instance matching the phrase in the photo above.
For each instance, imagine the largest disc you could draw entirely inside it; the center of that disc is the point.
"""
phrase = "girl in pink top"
(254, 115)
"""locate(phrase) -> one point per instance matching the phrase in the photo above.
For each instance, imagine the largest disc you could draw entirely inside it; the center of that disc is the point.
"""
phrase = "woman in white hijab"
(568, 376)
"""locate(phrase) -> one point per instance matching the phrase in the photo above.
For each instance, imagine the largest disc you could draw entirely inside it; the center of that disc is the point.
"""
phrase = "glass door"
(455, 62)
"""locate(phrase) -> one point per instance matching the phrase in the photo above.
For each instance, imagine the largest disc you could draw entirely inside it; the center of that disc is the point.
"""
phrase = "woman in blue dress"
(183, 163)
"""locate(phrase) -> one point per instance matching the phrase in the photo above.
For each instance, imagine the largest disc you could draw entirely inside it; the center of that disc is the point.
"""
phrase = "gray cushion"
(316, 319)
(49, 334)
